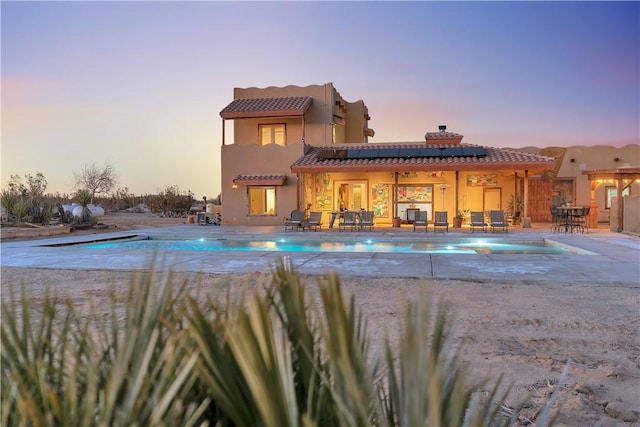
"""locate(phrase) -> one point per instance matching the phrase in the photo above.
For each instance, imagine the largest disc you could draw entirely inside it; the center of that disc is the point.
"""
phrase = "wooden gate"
(540, 192)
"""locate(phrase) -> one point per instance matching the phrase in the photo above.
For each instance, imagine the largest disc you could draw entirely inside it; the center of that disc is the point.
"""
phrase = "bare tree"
(95, 180)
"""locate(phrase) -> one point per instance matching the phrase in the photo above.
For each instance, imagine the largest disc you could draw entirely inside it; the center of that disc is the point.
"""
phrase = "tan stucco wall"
(631, 215)
(592, 158)
(317, 120)
(469, 197)
(253, 159)
(244, 156)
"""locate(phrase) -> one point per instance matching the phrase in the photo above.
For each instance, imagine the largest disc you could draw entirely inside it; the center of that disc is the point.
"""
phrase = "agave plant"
(62, 369)
(275, 357)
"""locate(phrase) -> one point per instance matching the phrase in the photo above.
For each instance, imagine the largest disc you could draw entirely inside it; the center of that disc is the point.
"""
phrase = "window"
(272, 134)
(612, 192)
(262, 200)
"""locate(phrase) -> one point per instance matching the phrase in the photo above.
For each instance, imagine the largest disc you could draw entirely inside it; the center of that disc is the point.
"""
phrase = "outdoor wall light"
(572, 160)
(234, 186)
(617, 159)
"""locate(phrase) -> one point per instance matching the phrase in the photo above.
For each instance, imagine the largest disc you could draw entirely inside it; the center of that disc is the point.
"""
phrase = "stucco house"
(307, 148)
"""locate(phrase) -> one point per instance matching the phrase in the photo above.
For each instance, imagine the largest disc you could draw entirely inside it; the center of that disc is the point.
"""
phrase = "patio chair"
(421, 219)
(477, 221)
(295, 221)
(441, 221)
(498, 221)
(558, 219)
(314, 221)
(349, 219)
(366, 220)
(580, 219)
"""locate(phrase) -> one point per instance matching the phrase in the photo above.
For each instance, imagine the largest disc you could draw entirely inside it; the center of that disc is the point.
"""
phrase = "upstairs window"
(272, 134)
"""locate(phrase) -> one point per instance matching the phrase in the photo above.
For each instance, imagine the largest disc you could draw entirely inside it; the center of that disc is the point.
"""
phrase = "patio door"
(492, 199)
(350, 195)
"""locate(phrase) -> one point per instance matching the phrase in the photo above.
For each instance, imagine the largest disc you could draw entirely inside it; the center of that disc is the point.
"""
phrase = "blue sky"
(140, 85)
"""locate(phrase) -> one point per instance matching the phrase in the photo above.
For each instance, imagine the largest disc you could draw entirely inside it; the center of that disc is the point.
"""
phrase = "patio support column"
(526, 222)
(395, 194)
(515, 191)
(298, 191)
(457, 178)
(593, 208)
(619, 188)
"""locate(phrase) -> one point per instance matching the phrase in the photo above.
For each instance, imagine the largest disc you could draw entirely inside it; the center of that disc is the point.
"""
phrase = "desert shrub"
(46, 212)
(273, 358)
(170, 202)
(121, 199)
(83, 197)
(8, 200)
(22, 210)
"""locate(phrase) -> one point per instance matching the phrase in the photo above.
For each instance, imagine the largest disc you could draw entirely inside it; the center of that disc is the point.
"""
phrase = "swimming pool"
(451, 246)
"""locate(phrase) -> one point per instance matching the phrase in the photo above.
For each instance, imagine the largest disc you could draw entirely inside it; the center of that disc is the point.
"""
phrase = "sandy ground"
(525, 330)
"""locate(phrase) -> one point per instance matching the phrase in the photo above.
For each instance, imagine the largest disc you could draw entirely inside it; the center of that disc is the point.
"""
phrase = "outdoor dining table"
(572, 215)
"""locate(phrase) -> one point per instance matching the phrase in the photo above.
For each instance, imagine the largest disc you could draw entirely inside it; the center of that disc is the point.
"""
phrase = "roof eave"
(532, 167)
(261, 114)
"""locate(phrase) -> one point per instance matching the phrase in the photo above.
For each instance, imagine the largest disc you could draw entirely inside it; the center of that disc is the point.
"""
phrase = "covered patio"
(622, 178)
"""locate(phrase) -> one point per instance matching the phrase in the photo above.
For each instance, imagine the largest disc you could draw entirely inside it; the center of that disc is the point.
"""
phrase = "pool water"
(462, 246)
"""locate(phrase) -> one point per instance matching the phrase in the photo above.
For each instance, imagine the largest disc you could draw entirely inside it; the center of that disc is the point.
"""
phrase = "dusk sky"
(140, 85)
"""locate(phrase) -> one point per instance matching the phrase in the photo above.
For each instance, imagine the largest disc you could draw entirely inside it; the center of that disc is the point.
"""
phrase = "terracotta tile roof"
(260, 179)
(495, 159)
(266, 107)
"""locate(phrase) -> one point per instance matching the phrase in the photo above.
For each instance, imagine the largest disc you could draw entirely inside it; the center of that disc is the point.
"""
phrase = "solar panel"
(410, 152)
(453, 152)
(388, 152)
(352, 154)
(401, 153)
(430, 152)
(368, 154)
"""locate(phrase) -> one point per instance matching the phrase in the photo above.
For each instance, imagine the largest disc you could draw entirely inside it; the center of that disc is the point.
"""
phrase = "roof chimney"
(442, 128)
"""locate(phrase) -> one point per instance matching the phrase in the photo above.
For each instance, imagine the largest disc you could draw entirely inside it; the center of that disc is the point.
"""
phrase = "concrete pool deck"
(614, 258)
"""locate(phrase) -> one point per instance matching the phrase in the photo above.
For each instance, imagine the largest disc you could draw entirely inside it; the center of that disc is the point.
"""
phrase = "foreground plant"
(273, 357)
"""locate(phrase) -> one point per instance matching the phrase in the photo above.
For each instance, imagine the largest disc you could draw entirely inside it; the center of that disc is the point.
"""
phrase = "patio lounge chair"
(477, 221)
(441, 221)
(498, 221)
(295, 221)
(366, 220)
(314, 221)
(349, 219)
(421, 219)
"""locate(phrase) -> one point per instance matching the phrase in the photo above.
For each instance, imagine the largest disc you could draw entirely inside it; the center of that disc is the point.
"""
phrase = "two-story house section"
(272, 128)
(306, 148)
